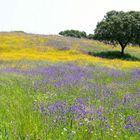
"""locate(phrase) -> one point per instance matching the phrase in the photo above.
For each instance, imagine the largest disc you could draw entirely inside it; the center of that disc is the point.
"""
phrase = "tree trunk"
(122, 52)
(123, 45)
(122, 48)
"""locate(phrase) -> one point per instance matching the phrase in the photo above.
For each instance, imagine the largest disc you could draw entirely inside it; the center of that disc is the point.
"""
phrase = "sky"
(53, 16)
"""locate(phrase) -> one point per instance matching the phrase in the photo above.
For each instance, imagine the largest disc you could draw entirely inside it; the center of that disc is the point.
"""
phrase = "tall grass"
(69, 102)
(50, 88)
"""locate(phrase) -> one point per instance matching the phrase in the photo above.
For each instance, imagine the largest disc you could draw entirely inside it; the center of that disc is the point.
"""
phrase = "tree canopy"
(90, 36)
(119, 28)
(74, 33)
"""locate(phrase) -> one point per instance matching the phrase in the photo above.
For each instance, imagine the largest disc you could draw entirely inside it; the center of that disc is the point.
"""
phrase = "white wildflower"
(64, 129)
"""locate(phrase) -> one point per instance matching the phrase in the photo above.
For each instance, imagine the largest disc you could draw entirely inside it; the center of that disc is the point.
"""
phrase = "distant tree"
(83, 34)
(74, 33)
(119, 28)
(90, 36)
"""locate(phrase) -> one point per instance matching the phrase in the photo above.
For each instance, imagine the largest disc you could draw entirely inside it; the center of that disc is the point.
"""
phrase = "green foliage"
(74, 33)
(90, 36)
(119, 28)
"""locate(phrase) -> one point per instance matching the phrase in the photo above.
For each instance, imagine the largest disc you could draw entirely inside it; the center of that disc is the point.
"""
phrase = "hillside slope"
(21, 46)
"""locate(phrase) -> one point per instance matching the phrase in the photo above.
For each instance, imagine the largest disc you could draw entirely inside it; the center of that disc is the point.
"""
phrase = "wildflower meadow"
(59, 88)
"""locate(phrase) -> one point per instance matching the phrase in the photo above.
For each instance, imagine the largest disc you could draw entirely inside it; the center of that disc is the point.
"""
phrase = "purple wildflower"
(127, 98)
(138, 126)
(129, 126)
(136, 73)
(137, 106)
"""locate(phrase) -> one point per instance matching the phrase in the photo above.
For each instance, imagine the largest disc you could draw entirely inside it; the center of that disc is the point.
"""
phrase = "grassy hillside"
(59, 88)
(21, 46)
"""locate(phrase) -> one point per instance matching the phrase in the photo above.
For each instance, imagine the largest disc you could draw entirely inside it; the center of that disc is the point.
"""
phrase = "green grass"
(115, 55)
(109, 97)
(21, 120)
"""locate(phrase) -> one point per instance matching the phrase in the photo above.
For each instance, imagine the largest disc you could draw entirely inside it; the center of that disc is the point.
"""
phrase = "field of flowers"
(52, 89)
